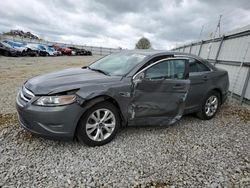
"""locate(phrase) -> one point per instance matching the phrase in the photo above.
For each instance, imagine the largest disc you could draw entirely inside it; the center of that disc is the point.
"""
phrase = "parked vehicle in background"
(63, 50)
(130, 88)
(56, 52)
(80, 51)
(52, 51)
(42, 50)
(32, 49)
(73, 52)
(18, 46)
(8, 50)
(89, 52)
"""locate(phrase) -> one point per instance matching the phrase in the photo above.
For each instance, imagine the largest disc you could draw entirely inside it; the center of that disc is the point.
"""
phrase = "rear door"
(199, 75)
(159, 93)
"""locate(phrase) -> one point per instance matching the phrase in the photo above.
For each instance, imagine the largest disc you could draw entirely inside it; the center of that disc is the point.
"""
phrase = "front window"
(168, 69)
(118, 64)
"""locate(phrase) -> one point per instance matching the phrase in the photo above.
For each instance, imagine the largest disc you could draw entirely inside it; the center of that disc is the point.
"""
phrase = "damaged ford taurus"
(130, 88)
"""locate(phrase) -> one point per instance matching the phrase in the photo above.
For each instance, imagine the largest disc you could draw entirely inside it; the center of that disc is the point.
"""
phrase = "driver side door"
(159, 92)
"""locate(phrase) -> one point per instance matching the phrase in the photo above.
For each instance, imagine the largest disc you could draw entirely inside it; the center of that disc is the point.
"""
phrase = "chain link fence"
(230, 52)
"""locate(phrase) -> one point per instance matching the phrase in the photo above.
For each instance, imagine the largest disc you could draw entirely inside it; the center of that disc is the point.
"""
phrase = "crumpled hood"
(65, 80)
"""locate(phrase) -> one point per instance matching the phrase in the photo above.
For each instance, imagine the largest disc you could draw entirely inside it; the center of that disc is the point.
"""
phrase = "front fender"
(93, 94)
(92, 91)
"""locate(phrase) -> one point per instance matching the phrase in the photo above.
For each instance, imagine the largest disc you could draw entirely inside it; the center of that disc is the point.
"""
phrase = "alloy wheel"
(100, 124)
(211, 105)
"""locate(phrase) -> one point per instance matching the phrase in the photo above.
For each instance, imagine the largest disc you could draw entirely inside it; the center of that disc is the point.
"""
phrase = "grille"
(26, 95)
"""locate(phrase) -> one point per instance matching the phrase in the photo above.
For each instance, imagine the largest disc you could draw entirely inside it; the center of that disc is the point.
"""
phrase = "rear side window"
(169, 69)
(197, 66)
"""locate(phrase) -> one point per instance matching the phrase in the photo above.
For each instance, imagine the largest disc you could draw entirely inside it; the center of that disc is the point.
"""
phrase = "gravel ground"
(191, 153)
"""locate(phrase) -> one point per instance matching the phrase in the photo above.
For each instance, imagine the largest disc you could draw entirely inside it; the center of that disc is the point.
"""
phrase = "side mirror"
(139, 77)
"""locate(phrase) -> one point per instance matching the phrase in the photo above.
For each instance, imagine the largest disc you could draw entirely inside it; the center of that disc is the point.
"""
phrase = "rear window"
(197, 66)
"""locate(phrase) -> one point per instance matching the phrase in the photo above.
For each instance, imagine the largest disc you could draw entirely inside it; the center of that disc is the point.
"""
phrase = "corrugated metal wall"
(228, 52)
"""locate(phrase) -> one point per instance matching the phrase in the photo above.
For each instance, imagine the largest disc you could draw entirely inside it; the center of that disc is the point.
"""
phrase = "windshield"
(6, 44)
(41, 47)
(51, 49)
(118, 64)
(18, 45)
(14, 44)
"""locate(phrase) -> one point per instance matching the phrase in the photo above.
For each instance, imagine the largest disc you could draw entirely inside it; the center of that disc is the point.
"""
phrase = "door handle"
(205, 78)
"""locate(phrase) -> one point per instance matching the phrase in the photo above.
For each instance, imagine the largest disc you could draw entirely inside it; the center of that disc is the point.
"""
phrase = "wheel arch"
(218, 90)
(96, 100)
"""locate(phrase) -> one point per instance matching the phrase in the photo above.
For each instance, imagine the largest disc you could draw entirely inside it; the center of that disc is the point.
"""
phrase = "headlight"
(55, 100)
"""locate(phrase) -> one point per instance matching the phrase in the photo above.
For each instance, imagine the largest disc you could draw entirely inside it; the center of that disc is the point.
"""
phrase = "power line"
(228, 15)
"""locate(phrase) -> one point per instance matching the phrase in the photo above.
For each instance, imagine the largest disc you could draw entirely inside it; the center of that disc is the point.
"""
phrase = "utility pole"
(216, 30)
(202, 27)
(217, 27)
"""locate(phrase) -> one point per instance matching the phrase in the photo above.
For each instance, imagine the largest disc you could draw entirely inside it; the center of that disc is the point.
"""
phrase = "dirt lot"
(191, 153)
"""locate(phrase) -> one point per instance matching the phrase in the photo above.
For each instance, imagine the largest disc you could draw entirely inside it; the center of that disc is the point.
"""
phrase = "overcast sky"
(120, 23)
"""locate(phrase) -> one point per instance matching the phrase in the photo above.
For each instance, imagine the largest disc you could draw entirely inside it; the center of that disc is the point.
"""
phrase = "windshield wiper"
(99, 70)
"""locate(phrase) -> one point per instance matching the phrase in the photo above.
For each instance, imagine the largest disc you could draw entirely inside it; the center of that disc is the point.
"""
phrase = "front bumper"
(51, 122)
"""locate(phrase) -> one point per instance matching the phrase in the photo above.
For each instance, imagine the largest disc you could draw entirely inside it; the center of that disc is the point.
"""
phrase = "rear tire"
(210, 106)
(98, 125)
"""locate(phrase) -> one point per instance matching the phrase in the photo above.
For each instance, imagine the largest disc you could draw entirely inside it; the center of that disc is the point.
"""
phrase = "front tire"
(6, 53)
(99, 124)
(210, 106)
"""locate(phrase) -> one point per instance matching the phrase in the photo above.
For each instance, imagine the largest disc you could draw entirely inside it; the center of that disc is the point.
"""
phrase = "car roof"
(152, 52)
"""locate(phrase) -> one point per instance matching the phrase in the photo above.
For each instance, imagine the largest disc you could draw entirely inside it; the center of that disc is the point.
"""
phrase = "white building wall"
(235, 49)
(236, 84)
(247, 94)
(195, 49)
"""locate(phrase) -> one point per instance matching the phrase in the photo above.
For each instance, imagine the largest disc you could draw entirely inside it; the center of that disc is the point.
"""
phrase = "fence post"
(200, 48)
(245, 86)
(218, 51)
(190, 49)
(100, 50)
(183, 49)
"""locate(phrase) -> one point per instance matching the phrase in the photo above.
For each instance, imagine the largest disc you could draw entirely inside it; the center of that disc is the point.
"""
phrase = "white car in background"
(32, 49)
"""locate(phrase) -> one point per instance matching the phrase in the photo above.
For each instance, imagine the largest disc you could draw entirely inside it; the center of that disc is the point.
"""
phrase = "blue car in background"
(20, 47)
(53, 52)
(47, 50)
(42, 50)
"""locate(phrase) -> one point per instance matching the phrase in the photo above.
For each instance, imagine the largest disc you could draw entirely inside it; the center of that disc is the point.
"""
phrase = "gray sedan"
(130, 88)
